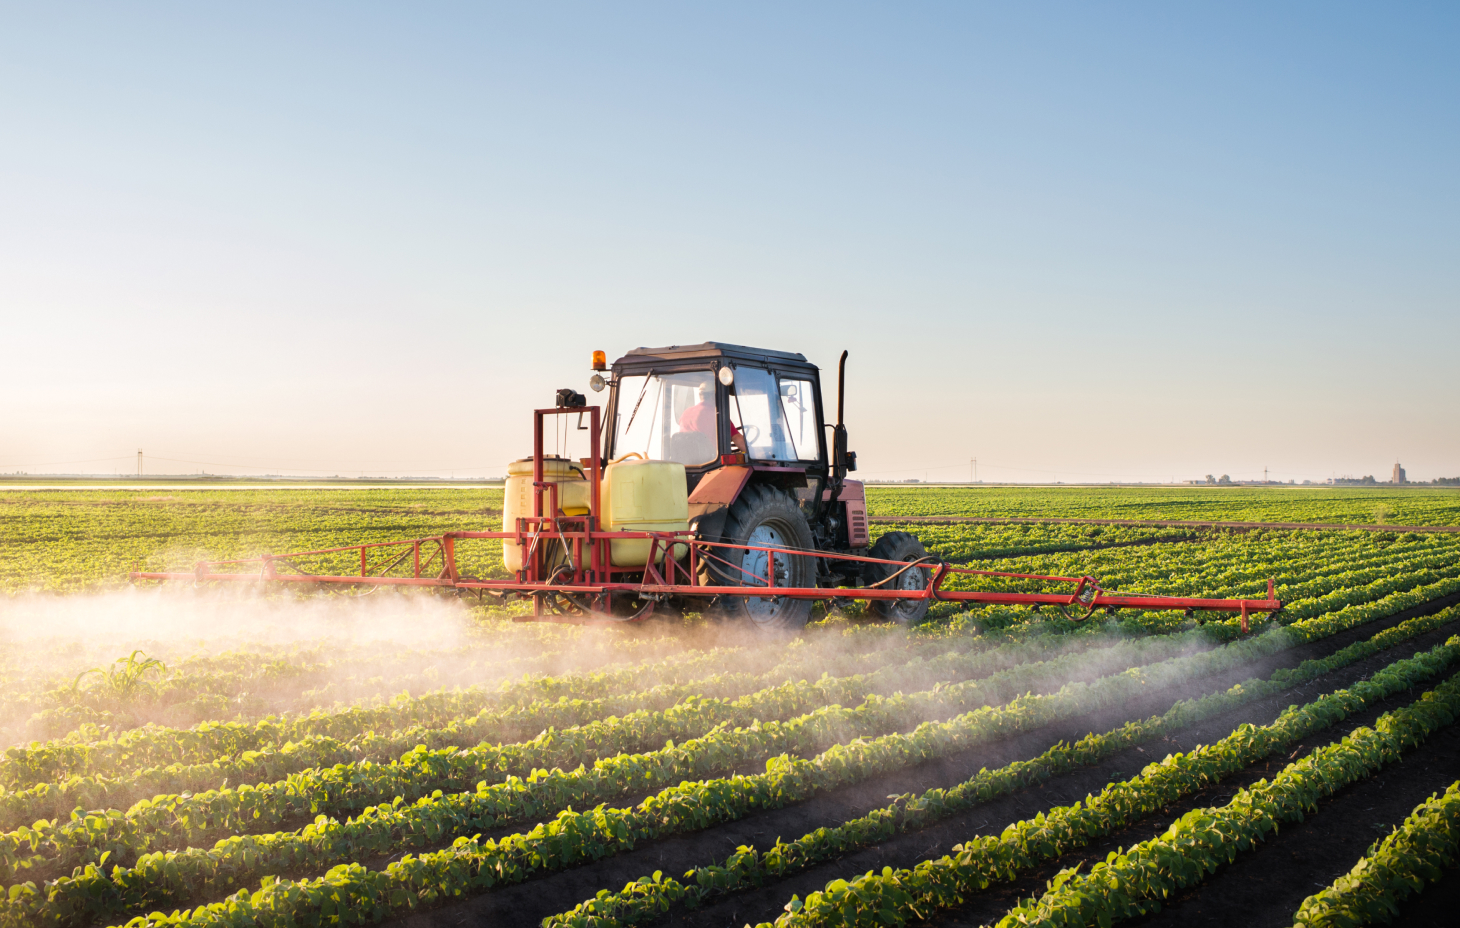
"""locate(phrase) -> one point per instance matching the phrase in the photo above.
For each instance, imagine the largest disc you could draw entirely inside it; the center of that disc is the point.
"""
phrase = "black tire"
(899, 546)
(770, 517)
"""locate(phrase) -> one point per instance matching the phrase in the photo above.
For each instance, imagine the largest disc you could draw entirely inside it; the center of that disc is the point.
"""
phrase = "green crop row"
(59, 540)
(1351, 616)
(91, 752)
(1133, 883)
(973, 541)
(456, 756)
(1322, 578)
(1297, 579)
(1347, 505)
(897, 896)
(1217, 559)
(1217, 552)
(273, 762)
(1224, 562)
(257, 763)
(1381, 590)
(568, 839)
(232, 739)
(1383, 586)
(276, 758)
(1416, 853)
(1205, 580)
(649, 897)
(1392, 868)
(44, 762)
(1358, 571)
(1321, 571)
(50, 849)
(1235, 559)
(184, 874)
(180, 694)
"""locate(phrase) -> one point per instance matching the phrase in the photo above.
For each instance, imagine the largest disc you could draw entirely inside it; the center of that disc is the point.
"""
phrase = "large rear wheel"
(765, 517)
(905, 547)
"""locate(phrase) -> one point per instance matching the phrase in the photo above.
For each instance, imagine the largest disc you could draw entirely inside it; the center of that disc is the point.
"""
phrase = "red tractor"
(764, 472)
(717, 486)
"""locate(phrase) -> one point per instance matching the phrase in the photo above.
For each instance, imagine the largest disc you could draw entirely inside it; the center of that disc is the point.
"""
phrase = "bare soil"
(1263, 888)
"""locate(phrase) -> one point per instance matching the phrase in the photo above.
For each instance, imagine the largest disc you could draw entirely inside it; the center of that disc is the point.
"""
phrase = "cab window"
(668, 417)
(798, 408)
(776, 418)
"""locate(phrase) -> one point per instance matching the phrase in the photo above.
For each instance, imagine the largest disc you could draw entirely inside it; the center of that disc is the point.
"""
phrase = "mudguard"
(712, 498)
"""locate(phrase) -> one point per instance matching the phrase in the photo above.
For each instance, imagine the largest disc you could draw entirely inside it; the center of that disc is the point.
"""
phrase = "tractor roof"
(712, 350)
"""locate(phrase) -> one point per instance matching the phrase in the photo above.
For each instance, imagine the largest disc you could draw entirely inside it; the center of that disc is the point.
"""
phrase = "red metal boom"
(567, 567)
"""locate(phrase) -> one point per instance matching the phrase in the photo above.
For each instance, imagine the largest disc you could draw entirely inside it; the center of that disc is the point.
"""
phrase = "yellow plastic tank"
(643, 496)
(574, 497)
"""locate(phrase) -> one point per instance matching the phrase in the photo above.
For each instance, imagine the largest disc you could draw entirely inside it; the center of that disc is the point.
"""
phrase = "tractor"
(713, 484)
(765, 473)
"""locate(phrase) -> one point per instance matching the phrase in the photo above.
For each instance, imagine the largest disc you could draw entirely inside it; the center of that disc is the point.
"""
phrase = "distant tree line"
(1370, 481)
(1366, 481)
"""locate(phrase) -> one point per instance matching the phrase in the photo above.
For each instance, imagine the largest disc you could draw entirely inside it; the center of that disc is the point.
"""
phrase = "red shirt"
(701, 418)
(698, 418)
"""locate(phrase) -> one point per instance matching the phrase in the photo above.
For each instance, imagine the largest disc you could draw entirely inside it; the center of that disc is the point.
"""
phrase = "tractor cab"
(715, 405)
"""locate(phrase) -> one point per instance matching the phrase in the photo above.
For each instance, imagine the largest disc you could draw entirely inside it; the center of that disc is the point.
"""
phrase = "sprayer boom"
(714, 490)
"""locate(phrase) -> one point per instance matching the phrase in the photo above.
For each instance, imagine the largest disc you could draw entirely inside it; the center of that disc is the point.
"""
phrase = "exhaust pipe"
(841, 459)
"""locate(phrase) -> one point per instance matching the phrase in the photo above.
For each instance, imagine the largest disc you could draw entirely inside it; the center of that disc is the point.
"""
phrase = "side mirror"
(842, 460)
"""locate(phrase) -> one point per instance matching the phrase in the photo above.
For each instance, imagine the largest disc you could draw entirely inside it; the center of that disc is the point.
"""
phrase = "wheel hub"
(755, 564)
(912, 578)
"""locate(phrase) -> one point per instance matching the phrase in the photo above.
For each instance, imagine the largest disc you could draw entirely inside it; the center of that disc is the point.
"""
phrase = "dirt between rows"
(1045, 685)
(1263, 887)
(527, 903)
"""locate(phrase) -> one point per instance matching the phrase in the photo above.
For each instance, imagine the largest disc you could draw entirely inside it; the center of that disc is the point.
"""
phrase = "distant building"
(1398, 474)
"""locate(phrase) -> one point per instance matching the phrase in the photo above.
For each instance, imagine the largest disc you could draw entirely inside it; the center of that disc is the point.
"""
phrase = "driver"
(701, 416)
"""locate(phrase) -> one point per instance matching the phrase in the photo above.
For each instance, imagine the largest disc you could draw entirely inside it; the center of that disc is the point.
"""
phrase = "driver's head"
(705, 392)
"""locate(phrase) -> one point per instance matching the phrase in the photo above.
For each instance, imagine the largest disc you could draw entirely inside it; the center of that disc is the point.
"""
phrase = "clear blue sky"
(1079, 241)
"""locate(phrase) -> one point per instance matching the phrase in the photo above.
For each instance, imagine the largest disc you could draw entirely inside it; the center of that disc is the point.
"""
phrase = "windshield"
(668, 417)
(777, 419)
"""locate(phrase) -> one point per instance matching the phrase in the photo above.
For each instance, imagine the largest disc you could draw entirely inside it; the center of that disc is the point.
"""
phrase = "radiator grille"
(857, 527)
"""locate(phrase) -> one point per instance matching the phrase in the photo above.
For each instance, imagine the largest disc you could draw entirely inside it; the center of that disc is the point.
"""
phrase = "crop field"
(236, 757)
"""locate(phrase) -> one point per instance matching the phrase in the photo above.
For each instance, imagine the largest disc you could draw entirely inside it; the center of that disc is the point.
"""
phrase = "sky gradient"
(1124, 242)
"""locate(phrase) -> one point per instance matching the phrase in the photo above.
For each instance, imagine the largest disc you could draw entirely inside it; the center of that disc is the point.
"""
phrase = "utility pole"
(139, 462)
(973, 470)
(1264, 475)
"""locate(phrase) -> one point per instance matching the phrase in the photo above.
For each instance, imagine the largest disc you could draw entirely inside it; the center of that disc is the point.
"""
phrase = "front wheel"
(764, 517)
(904, 547)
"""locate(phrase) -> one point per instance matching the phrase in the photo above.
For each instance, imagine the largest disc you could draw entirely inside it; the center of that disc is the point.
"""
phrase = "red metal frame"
(548, 537)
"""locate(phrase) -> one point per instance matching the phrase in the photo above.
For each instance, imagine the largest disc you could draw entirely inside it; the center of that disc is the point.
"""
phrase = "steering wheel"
(751, 433)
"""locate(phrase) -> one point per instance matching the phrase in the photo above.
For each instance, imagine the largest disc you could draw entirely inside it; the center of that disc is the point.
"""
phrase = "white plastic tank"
(643, 496)
(574, 497)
